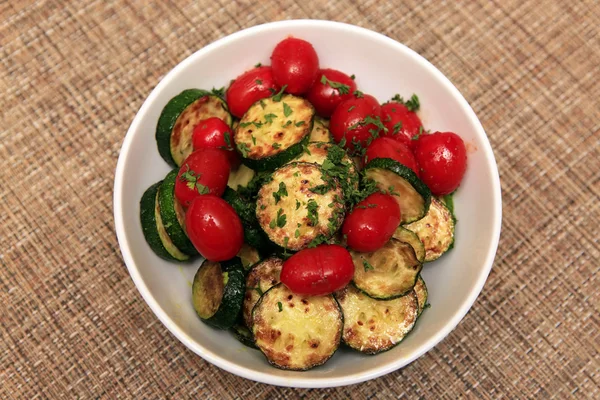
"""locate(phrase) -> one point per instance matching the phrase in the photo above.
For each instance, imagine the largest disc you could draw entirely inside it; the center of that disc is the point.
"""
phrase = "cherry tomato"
(401, 123)
(205, 171)
(352, 120)
(442, 159)
(386, 147)
(250, 87)
(214, 133)
(214, 228)
(372, 222)
(295, 64)
(319, 270)
(327, 93)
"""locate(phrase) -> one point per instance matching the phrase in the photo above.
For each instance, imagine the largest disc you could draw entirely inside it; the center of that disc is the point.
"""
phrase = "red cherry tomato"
(442, 159)
(205, 171)
(214, 133)
(295, 64)
(214, 228)
(349, 120)
(250, 87)
(372, 222)
(386, 147)
(319, 270)
(324, 96)
(401, 123)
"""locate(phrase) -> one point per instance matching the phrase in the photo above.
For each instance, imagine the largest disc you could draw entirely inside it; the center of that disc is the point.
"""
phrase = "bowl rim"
(300, 382)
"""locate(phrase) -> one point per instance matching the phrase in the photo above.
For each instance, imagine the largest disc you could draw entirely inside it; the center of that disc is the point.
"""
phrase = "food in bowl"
(314, 211)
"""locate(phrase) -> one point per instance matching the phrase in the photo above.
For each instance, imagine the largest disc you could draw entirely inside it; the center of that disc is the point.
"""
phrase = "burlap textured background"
(72, 77)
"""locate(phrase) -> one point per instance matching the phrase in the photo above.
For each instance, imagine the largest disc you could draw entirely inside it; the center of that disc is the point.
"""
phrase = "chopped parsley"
(297, 204)
(297, 233)
(358, 94)
(244, 149)
(287, 110)
(341, 88)
(253, 139)
(258, 65)
(411, 104)
(258, 82)
(280, 306)
(262, 104)
(287, 123)
(277, 97)
(218, 92)
(192, 180)
(269, 118)
(276, 145)
(299, 123)
(282, 192)
(397, 127)
(257, 289)
(353, 77)
(281, 218)
(312, 212)
(367, 266)
(351, 108)
(227, 137)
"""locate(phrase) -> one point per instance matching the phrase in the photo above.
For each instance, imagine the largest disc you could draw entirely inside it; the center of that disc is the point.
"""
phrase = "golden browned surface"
(260, 279)
(435, 230)
(208, 288)
(72, 77)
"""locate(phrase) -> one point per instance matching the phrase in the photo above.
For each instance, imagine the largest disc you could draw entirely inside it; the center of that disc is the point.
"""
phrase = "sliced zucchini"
(248, 255)
(260, 279)
(388, 272)
(372, 326)
(412, 195)
(240, 177)
(273, 131)
(420, 290)
(218, 292)
(435, 230)
(293, 212)
(320, 152)
(253, 234)
(148, 205)
(296, 332)
(320, 131)
(172, 215)
(178, 118)
(243, 334)
(406, 236)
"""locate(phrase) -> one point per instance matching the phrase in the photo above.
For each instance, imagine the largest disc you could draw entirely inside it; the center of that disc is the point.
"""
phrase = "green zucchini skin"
(233, 295)
(167, 119)
(170, 114)
(418, 188)
(169, 216)
(244, 335)
(148, 220)
(422, 295)
(253, 234)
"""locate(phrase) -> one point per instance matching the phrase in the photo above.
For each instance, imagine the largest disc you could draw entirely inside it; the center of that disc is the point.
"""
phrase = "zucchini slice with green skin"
(296, 332)
(422, 294)
(273, 131)
(412, 195)
(218, 292)
(292, 213)
(372, 326)
(172, 215)
(149, 225)
(244, 335)
(320, 131)
(407, 236)
(388, 272)
(248, 255)
(178, 119)
(246, 210)
(261, 278)
(435, 230)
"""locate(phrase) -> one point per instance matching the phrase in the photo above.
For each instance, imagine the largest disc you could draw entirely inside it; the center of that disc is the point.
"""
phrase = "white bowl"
(383, 67)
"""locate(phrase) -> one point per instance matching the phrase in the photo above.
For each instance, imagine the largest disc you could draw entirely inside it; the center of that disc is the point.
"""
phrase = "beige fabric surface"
(72, 77)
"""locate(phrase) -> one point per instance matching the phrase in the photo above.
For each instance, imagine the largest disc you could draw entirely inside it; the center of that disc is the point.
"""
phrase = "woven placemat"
(72, 77)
